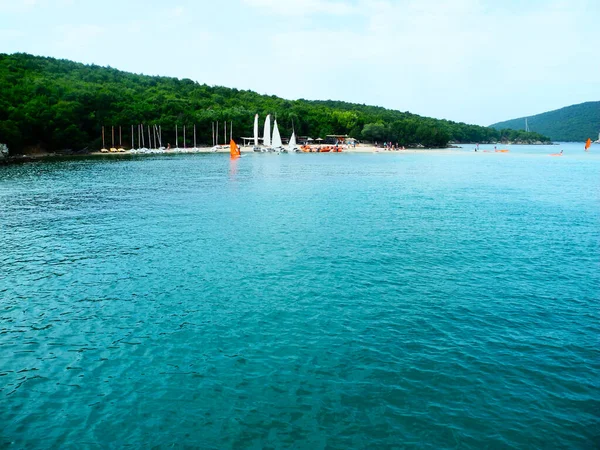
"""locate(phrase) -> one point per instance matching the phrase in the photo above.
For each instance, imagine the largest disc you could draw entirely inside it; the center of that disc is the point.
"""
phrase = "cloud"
(303, 7)
(78, 37)
(11, 34)
(16, 6)
(177, 11)
(478, 61)
(469, 60)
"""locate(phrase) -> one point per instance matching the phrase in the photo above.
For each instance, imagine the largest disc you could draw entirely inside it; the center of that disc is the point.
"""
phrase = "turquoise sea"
(389, 300)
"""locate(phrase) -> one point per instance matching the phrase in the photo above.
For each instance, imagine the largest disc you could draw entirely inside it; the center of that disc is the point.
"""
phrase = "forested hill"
(573, 123)
(52, 104)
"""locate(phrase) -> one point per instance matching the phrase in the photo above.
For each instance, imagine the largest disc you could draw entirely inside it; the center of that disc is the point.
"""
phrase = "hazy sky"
(475, 61)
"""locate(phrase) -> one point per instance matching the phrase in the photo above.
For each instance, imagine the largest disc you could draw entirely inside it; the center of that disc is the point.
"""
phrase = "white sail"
(256, 130)
(292, 144)
(267, 132)
(276, 136)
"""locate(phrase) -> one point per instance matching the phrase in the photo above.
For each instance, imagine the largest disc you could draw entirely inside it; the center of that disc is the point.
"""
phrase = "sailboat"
(267, 133)
(292, 147)
(587, 144)
(256, 148)
(276, 144)
(234, 150)
(598, 141)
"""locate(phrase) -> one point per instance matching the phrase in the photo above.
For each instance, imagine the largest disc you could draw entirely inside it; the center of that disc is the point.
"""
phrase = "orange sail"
(234, 150)
(587, 144)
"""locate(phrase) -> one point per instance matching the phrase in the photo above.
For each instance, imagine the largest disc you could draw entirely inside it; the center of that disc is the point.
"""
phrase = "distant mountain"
(572, 123)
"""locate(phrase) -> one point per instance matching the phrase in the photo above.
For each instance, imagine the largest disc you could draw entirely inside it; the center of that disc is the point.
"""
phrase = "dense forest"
(56, 105)
(573, 123)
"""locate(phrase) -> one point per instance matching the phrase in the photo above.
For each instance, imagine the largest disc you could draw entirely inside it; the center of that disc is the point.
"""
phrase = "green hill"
(573, 123)
(54, 105)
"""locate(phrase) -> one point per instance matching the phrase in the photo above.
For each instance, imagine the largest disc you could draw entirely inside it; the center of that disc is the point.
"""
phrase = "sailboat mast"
(113, 137)
(149, 138)
(217, 142)
(176, 137)
(120, 144)
(141, 133)
(103, 146)
(132, 137)
(231, 130)
(184, 136)
(194, 135)
(225, 133)
(256, 130)
(213, 133)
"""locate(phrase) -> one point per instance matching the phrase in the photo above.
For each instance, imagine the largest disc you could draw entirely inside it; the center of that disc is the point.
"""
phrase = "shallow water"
(311, 301)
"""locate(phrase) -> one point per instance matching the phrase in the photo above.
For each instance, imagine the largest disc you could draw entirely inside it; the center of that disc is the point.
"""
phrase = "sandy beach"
(361, 148)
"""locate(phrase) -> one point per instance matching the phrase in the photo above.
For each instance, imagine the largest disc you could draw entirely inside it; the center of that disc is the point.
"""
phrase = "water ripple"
(329, 301)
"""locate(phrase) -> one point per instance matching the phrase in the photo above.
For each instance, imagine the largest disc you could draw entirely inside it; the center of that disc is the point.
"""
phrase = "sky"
(473, 61)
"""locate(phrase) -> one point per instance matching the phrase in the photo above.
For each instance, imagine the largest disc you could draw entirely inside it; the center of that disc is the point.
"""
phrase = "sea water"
(387, 300)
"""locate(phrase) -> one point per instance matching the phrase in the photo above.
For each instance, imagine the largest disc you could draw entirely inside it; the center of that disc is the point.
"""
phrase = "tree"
(374, 132)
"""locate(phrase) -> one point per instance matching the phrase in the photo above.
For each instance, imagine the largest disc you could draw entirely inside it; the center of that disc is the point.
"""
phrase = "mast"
(184, 136)
(217, 135)
(225, 133)
(149, 138)
(132, 137)
(120, 144)
(160, 135)
(103, 146)
(176, 137)
(213, 133)
(113, 137)
(194, 135)
(231, 130)
(256, 130)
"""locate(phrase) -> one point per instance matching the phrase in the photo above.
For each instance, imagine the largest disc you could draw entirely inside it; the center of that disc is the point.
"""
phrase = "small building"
(340, 139)
(304, 140)
(248, 141)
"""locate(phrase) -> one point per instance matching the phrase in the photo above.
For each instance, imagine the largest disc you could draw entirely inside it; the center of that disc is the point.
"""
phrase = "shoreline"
(361, 148)
(36, 157)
